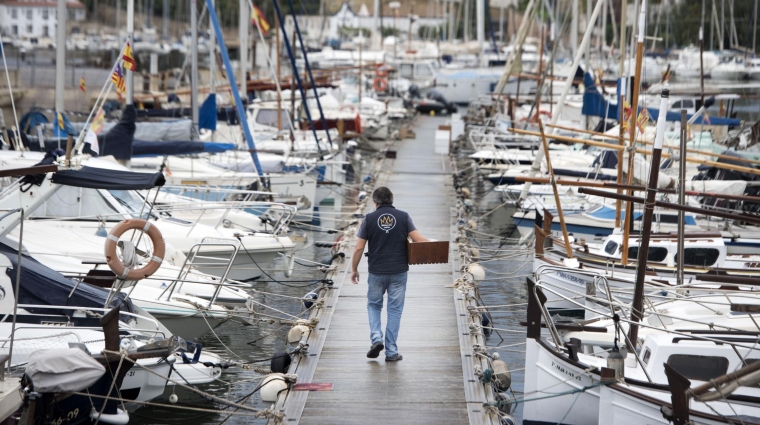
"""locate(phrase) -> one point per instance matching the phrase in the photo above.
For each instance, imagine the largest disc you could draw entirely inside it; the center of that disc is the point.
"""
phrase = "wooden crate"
(428, 252)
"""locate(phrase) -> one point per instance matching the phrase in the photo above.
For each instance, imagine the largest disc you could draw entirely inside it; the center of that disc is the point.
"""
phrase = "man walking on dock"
(387, 230)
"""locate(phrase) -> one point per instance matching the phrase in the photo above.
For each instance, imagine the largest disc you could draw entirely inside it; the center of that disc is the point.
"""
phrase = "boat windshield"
(132, 202)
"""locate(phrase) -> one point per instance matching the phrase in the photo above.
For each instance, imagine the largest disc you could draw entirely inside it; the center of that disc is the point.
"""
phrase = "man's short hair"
(382, 196)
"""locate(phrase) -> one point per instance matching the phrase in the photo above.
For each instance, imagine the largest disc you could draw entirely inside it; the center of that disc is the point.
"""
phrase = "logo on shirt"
(386, 222)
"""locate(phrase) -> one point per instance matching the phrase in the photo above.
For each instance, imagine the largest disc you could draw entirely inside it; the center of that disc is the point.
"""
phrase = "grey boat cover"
(60, 370)
(165, 131)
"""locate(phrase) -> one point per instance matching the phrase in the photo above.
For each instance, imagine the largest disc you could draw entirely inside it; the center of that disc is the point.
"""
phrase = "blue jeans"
(378, 285)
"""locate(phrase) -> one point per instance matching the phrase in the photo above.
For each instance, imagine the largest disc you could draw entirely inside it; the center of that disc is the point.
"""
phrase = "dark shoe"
(375, 350)
(394, 358)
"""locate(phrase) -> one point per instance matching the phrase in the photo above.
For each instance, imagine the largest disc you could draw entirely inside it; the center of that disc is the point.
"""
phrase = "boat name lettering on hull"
(569, 373)
(572, 278)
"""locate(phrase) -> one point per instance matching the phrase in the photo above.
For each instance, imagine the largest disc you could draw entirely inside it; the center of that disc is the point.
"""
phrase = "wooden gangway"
(430, 385)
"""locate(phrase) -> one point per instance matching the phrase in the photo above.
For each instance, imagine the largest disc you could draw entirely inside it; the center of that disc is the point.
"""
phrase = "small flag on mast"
(117, 78)
(61, 124)
(129, 59)
(82, 85)
(257, 16)
(97, 122)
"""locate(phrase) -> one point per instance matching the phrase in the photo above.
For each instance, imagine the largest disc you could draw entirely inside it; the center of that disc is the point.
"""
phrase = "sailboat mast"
(681, 197)
(129, 75)
(637, 306)
(621, 103)
(480, 12)
(211, 57)
(194, 68)
(574, 28)
(279, 72)
(701, 55)
(632, 125)
(243, 32)
(754, 27)
(565, 91)
(60, 57)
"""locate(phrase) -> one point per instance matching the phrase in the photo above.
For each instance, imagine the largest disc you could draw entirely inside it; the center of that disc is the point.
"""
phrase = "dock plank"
(427, 386)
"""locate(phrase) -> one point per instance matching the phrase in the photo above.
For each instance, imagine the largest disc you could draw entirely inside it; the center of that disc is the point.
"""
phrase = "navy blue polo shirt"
(386, 231)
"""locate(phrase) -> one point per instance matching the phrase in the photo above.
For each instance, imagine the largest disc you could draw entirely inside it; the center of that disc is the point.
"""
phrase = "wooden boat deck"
(428, 385)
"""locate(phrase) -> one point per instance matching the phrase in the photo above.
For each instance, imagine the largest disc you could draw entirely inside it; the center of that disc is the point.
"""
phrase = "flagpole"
(128, 76)
(272, 70)
(104, 92)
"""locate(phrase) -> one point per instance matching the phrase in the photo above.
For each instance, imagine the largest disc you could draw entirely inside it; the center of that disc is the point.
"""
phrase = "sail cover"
(41, 285)
(101, 178)
(595, 105)
(143, 148)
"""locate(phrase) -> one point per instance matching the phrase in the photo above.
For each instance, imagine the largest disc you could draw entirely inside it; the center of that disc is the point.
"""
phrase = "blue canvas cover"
(143, 148)
(101, 178)
(41, 285)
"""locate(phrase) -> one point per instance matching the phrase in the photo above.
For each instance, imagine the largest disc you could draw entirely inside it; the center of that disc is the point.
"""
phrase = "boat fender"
(465, 192)
(477, 271)
(507, 420)
(271, 387)
(308, 299)
(616, 362)
(115, 264)
(362, 195)
(119, 418)
(474, 253)
(472, 225)
(291, 263)
(280, 362)
(502, 377)
(485, 322)
(173, 399)
(296, 334)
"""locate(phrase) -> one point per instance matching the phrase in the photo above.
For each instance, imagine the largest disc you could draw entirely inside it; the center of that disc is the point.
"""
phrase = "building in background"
(35, 18)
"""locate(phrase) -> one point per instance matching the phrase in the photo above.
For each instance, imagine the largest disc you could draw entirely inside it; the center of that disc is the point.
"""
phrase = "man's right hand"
(355, 277)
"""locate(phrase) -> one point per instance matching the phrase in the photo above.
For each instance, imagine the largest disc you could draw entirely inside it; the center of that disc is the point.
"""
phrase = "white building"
(313, 26)
(35, 18)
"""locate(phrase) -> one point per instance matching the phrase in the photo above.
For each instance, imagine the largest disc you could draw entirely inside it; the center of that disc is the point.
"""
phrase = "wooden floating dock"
(434, 383)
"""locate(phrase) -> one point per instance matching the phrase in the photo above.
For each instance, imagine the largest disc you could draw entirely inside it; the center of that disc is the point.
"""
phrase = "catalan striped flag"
(82, 85)
(129, 59)
(257, 17)
(117, 78)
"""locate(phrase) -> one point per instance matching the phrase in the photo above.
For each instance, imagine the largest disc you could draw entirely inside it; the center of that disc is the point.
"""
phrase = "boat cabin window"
(701, 368)
(268, 117)
(700, 257)
(656, 253)
(131, 202)
(647, 355)
(611, 247)
(406, 70)
(668, 218)
(424, 70)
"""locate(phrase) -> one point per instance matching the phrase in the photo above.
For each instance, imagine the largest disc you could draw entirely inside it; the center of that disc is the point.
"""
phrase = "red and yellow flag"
(642, 120)
(257, 17)
(82, 85)
(129, 59)
(97, 122)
